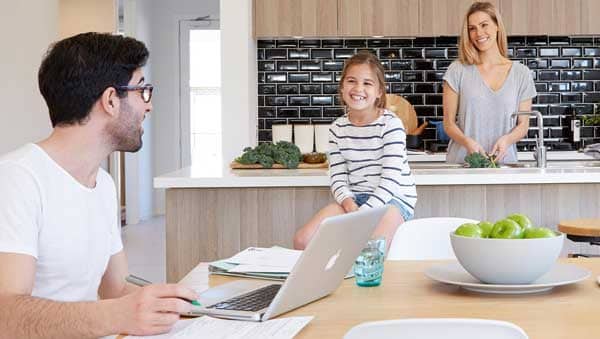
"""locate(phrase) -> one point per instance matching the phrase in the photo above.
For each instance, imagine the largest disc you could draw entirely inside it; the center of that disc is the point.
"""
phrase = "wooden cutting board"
(302, 165)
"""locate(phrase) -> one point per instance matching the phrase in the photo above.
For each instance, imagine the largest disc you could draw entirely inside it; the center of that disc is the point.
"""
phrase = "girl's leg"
(388, 225)
(306, 232)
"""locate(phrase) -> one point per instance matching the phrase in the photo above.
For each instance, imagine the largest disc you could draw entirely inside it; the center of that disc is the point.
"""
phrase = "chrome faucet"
(540, 149)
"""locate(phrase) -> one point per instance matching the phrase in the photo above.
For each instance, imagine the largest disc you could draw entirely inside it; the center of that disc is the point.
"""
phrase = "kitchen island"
(212, 218)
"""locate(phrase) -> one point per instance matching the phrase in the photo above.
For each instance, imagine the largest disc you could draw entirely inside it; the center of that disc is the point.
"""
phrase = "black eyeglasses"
(145, 90)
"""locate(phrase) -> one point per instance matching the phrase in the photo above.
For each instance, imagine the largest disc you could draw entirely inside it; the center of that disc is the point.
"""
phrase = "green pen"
(143, 282)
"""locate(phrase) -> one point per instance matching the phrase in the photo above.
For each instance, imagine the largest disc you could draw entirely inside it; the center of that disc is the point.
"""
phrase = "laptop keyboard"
(252, 301)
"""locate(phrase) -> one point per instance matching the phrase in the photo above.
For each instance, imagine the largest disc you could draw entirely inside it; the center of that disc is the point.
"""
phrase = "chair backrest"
(425, 239)
(447, 328)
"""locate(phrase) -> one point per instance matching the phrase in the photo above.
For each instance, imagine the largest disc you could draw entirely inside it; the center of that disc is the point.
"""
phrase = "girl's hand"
(501, 147)
(473, 147)
(349, 205)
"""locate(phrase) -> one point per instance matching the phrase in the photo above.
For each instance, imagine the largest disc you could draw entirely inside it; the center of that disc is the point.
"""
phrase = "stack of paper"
(274, 263)
(207, 327)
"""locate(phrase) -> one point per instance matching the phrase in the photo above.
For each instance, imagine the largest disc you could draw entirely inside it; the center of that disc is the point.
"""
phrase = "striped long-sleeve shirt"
(371, 159)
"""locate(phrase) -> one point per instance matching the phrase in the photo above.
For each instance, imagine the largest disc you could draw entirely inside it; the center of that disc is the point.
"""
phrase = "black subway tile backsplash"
(401, 42)
(548, 52)
(332, 65)
(266, 65)
(275, 53)
(401, 64)
(310, 65)
(570, 75)
(330, 88)
(298, 79)
(559, 40)
(591, 75)
(332, 43)
(286, 89)
(389, 53)
(423, 42)
(301, 53)
(582, 41)
(412, 53)
(582, 86)
(570, 52)
(356, 43)
(299, 100)
(310, 89)
(266, 89)
(310, 112)
(287, 65)
(403, 87)
(560, 63)
(583, 63)
(591, 51)
(342, 53)
(313, 43)
(287, 112)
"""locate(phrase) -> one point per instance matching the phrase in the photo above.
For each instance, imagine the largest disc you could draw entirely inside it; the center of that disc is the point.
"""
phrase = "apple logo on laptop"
(332, 260)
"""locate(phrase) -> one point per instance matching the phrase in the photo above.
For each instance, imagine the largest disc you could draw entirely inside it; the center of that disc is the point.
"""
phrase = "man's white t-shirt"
(71, 230)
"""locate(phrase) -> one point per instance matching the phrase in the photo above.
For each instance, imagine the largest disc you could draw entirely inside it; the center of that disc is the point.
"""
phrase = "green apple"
(486, 228)
(469, 230)
(507, 229)
(538, 232)
(521, 219)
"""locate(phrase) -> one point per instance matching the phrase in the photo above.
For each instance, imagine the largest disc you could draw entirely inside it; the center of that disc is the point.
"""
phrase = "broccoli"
(478, 160)
(267, 154)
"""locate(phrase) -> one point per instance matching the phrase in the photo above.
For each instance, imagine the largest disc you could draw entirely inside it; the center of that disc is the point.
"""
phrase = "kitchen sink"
(527, 164)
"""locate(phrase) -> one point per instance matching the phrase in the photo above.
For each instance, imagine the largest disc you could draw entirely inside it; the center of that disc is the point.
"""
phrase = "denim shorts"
(361, 198)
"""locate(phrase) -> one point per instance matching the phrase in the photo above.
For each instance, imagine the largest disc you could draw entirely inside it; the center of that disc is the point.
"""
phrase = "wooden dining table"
(569, 311)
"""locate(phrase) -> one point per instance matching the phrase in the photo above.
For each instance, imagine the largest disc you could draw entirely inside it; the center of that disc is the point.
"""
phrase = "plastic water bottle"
(368, 267)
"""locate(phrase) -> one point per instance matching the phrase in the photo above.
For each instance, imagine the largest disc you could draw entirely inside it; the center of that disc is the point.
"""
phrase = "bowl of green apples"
(509, 251)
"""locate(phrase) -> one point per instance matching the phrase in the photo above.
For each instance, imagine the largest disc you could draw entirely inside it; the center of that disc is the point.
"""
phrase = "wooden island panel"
(206, 224)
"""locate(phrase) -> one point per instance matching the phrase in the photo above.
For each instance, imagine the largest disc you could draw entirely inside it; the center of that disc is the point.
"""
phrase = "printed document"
(208, 327)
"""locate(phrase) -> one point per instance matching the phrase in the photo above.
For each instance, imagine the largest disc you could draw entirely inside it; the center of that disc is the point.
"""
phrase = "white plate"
(453, 273)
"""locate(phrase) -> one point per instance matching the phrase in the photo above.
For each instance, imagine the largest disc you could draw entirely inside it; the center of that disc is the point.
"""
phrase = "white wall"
(164, 56)
(138, 166)
(27, 27)
(239, 79)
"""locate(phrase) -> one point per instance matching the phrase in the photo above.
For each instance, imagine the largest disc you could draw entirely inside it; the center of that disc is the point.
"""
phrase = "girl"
(368, 165)
(484, 88)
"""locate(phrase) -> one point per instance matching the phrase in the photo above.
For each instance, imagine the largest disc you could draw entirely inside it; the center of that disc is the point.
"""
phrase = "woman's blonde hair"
(467, 53)
(365, 57)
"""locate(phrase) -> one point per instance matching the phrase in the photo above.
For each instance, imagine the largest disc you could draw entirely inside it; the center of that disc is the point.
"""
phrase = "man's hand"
(152, 309)
(349, 205)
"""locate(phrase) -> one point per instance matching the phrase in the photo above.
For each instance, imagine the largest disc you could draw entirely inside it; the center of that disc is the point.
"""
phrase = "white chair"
(425, 239)
(447, 328)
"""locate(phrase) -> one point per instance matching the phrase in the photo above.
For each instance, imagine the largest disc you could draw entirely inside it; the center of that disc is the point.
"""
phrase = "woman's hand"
(473, 147)
(501, 147)
(349, 205)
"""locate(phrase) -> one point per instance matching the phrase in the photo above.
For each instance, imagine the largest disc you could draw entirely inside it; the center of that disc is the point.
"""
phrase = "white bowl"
(507, 261)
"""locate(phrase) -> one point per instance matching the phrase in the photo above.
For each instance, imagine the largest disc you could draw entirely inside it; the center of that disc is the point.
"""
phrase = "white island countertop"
(573, 169)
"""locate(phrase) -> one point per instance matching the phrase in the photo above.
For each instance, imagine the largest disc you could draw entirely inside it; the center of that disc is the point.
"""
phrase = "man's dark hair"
(76, 71)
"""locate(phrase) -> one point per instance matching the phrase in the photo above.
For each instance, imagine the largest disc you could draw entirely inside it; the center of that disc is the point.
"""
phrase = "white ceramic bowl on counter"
(507, 261)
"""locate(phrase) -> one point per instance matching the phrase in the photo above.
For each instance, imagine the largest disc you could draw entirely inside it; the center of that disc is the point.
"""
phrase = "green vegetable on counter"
(267, 154)
(478, 160)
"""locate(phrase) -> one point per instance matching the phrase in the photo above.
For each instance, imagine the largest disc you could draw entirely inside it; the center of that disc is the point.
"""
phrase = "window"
(200, 48)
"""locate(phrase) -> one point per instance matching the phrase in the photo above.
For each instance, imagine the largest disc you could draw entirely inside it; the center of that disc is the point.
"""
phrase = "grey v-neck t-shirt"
(484, 114)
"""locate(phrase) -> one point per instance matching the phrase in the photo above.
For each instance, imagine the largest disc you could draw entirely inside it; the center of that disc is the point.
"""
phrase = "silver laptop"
(318, 272)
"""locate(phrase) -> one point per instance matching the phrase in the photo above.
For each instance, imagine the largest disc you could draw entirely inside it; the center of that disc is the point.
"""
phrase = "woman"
(483, 88)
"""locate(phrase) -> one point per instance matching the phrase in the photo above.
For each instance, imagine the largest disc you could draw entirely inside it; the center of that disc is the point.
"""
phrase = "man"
(62, 266)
